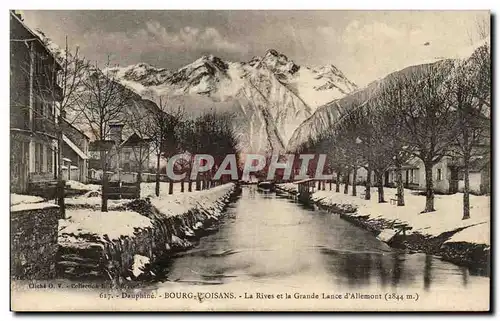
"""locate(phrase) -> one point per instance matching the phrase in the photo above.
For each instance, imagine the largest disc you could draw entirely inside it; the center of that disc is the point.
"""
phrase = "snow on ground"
(123, 223)
(148, 189)
(477, 234)
(447, 217)
(94, 202)
(140, 263)
(16, 199)
(31, 206)
(80, 186)
(289, 187)
(180, 203)
(114, 224)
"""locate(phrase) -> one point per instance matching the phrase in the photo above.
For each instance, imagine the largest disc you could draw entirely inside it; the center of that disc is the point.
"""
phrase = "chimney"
(115, 132)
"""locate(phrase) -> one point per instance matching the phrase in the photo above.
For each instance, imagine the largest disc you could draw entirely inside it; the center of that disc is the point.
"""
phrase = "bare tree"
(428, 120)
(139, 121)
(469, 92)
(349, 130)
(389, 127)
(102, 101)
(164, 121)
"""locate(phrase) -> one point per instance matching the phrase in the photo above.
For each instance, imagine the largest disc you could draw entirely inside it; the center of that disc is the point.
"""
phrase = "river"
(270, 241)
(270, 252)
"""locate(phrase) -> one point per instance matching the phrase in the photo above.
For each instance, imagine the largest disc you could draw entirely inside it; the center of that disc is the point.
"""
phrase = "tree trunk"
(104, 194)
(60, 180)
(429, 188)
(139, 181)
(182, 186)
(157, 184)
(380, 186)
(346, 183)
(400, 187)
(466, 188)
(368, 194)
(337, 182)
(354, 175)
(170, 187)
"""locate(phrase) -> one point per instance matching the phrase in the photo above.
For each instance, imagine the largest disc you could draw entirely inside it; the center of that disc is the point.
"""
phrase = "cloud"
(154, 36)
(359, 33)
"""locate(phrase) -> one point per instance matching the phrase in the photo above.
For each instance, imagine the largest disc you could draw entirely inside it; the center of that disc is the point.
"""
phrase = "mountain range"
(278, 104)
(270, 96)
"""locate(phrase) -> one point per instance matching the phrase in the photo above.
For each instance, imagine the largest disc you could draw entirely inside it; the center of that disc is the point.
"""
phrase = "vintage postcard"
(217, 160)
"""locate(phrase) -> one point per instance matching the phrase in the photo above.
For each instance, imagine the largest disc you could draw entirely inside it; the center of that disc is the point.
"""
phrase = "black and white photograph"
(250, 160)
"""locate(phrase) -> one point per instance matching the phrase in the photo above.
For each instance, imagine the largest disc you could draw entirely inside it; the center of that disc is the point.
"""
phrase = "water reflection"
(264, 238)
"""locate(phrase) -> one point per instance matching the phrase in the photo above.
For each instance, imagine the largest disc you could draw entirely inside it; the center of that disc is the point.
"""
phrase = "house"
(135, 153)
(125, 156)
(447, 174)
(75, 153)
(34, 94)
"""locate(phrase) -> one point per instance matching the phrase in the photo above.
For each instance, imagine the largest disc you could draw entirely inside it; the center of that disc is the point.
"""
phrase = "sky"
(364, 45)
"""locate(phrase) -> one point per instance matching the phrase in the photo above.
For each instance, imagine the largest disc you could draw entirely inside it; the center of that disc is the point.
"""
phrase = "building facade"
(131, 155)
(34, 94)
(448, 174)
(75, 153)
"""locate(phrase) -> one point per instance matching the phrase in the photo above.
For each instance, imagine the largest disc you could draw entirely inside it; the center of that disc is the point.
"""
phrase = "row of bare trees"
(91, 97)
(427, 112)
(170, 130)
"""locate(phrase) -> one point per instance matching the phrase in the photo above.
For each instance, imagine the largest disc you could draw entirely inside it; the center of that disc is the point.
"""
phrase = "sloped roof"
(35, 36)
(134, 140)
(75, 128)
(75, 148)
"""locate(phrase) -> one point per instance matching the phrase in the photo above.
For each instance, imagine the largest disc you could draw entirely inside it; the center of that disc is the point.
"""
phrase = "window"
(50, 155)
(439, 174)
(38, 159)
(43, 162)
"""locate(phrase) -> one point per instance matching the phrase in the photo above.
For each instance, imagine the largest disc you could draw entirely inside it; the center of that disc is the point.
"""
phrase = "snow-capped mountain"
(270, 95)
(326, 116)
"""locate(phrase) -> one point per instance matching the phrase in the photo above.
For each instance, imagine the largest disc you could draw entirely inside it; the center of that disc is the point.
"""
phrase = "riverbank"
(442, 233)
(125, 243)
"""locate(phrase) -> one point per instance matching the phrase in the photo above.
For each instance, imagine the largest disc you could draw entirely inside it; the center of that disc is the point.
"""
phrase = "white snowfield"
(447, 217)
(80, 186)
(94, 202)
(114, 224)
(20, 202)
(477, 234)
(16, 199)
(148, 189)
(180, 203)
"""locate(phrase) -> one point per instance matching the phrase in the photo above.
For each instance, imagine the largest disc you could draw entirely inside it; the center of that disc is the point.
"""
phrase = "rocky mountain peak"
(276, 62)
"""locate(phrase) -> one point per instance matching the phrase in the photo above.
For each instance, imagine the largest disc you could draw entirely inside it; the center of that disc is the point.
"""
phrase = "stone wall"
(33, 246)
